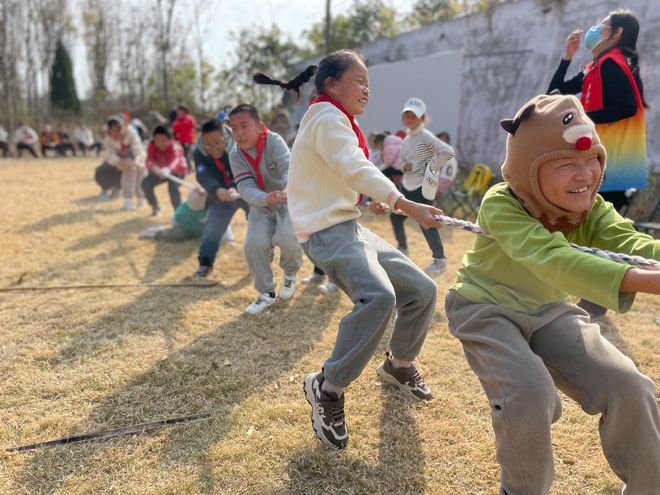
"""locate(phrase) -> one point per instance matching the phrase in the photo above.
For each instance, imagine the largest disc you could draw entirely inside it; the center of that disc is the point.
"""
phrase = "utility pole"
(327, 27)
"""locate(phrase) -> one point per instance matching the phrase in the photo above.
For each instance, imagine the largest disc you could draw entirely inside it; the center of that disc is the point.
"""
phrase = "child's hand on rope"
(422, 213)
(276, 198)
(378, 208)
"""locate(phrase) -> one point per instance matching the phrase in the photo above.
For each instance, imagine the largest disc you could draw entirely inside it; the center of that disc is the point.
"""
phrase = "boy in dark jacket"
(215, 176)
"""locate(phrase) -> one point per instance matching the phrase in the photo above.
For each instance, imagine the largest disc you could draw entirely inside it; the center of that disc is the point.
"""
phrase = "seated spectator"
(49, 141)
(4, 142)
(184, 128)
(65, 141)
(26, 138)
(164, 157)
(84, 138)
(125, 151)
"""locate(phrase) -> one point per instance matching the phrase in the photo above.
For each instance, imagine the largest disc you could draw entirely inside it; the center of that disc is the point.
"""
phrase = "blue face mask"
(593, 36)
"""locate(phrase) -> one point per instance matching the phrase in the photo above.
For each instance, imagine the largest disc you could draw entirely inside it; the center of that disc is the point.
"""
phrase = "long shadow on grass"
(157, 311)
(68, 218)
(116, 233)
(400, 459)
(192, 380)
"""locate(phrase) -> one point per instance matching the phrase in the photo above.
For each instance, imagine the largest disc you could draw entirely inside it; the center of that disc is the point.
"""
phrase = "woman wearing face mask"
(613, 97)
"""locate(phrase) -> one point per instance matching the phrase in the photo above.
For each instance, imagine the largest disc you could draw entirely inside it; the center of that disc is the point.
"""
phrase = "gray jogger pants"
(267, 228)
(377, 278)
(131, 182)
(522, 359)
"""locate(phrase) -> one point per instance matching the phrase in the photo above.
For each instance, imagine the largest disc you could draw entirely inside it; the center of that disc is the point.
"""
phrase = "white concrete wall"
(511, 55)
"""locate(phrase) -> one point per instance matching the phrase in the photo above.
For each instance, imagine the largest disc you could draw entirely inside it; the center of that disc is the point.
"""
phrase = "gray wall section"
(510, 55)
(388, 95)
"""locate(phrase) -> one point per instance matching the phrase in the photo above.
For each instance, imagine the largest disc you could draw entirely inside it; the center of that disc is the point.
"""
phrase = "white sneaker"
(313, 279)
(437, 266)
(128, 205)
(432, 174)
(288, 287)
(328, 288)
(263, 302)
(140, 203)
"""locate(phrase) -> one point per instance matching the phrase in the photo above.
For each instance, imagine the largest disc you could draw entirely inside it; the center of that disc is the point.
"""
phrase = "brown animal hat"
(548, 127)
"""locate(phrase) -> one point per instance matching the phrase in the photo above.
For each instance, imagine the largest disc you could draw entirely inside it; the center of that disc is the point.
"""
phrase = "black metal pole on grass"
(117, 432)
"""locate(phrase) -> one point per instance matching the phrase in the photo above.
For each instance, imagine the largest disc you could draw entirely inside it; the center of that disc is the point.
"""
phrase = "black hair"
(379, 138)
(183, 107)
(293, 85)
(247, 108)
(332, 66)
(113, 121)
(163, 130)
(624, 18)
(213, 125)
(445, 134)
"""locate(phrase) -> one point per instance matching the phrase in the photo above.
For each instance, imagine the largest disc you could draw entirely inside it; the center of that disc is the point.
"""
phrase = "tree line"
(151, 54)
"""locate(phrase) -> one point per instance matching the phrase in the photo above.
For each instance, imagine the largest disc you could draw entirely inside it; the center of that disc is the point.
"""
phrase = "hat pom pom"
(583, 143)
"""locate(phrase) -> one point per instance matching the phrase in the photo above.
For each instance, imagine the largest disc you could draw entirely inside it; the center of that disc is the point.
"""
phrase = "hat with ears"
(416, 106)
(548, 127)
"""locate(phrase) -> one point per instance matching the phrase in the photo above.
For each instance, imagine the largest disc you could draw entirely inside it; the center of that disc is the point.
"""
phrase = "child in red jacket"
(164, 157)
(184, 128)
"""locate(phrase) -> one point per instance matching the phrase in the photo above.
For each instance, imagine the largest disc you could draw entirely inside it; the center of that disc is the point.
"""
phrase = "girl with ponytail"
(328, 174)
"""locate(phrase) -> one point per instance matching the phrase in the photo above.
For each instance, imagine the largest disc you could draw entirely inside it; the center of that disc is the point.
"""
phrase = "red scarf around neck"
(223, 170)
(261, 144)
(362, 143)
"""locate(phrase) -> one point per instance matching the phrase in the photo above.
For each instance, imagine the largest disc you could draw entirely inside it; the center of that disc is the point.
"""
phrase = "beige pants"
(131, 182)
(520, 359)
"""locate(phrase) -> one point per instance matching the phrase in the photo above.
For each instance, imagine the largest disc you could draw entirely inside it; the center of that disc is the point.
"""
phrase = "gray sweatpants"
(267, 228)
(377, 278)
(131, 182)
(520, 359)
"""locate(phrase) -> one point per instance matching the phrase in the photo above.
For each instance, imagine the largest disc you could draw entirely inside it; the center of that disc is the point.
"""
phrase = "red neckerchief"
(362, 143)
(261, 144)
(221, 166)
(592, 84)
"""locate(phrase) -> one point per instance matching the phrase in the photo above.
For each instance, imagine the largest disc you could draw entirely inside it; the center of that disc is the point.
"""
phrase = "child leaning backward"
(509, 307)
(260, 162)
(329, 172)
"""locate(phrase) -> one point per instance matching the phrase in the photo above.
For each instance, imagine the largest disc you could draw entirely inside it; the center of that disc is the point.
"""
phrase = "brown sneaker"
(408, 380)
(327, 413)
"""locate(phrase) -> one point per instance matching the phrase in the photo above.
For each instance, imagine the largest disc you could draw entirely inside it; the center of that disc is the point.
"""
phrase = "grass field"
(74, 361)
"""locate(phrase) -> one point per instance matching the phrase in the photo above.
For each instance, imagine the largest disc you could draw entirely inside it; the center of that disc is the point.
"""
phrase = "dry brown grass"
(82, 360)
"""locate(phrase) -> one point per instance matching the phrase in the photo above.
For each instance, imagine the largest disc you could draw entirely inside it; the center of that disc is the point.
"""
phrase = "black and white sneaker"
(203, 271)
(407, 380)
(327, 413)
(263, 302)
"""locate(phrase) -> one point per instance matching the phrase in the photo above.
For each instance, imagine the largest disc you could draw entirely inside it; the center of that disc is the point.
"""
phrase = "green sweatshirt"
(190, 220)
(524, 267)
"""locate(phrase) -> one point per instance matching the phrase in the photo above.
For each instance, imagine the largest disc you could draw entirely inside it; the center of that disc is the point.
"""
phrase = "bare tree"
(99, 18)
(53, 23)
(164, 17)
(200, 26)
(9, 51)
